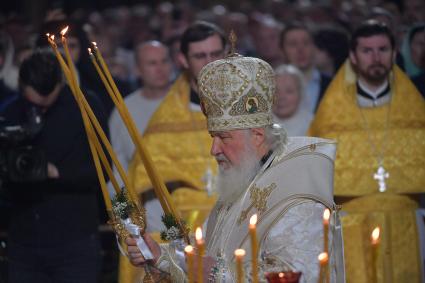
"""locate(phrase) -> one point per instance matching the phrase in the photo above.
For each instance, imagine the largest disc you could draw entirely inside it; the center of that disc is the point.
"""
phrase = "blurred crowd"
(258, 25)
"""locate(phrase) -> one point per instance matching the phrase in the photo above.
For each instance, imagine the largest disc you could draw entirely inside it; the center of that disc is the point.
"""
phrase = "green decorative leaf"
(172, 231)
(121, 205)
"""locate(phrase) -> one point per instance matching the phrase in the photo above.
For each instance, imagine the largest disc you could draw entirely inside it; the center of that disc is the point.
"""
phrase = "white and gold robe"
(289, 195)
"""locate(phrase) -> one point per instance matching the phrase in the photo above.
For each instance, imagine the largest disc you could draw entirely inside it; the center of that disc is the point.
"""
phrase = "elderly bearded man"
(286, 182)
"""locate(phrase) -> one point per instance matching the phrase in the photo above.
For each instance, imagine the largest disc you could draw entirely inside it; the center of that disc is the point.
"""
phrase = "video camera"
(19, 160)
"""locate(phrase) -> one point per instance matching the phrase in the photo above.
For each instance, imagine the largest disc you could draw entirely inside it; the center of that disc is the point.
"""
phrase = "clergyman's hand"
(135, 256)
(52, 171)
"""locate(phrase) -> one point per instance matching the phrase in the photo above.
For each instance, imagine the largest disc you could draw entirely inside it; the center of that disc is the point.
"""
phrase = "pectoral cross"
(380, 176)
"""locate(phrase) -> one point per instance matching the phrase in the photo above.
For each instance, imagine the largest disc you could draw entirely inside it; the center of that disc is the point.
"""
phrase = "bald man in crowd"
(154, 71)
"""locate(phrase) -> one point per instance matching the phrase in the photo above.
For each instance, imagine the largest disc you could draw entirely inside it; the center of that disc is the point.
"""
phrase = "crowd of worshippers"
(372, 52)
(317, 46)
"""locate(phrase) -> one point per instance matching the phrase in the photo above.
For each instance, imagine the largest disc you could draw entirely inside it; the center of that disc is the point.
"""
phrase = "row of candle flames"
(324, 275)
(162, 194)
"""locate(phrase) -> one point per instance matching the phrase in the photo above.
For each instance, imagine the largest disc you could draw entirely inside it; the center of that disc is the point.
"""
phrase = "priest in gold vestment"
(378, 119)
(178, 141)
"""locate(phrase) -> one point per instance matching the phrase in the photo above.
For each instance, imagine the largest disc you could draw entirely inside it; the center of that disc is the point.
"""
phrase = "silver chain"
(379, 155)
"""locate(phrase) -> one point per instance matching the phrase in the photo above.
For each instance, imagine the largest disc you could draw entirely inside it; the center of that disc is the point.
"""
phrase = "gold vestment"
(394, 132)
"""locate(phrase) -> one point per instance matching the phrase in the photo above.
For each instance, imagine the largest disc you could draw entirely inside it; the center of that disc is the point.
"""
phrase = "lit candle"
(200, 245)
(189, 259)
(69, 58)
(239, 253)
(51, 40)
(326, 215)
(281, 275)
(374, 240)
(254, 247)
(323, 260)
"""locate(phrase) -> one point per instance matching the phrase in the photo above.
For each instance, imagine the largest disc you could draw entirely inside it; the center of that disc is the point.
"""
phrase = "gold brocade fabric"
(403, 138)
(398, 253)
(178, 142)
(339, 118)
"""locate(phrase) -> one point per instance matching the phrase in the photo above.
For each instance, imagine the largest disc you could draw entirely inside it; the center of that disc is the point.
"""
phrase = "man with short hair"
(53, 232)
(297, 44)
(178, 123)
(154, 70)
(287, 182)
(378, 118)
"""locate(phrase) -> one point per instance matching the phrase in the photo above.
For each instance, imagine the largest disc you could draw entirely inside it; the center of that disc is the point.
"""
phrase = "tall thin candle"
(323, 261)
(239, 254)
(254, 247)
(374, 241)
(200, 245)
(326, 216)
(189, 259)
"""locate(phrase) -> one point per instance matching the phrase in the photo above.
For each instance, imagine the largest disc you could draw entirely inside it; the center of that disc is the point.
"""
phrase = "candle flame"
(188, 249)
(239, 252)
(63, 32)
(253, 220)
(198, 234)
(323, 257)
(281, 275)
(326, 215)
(375, 236)
(48, 35)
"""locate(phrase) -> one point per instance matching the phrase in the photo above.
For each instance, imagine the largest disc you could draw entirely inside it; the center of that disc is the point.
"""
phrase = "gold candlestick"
(239, 254)
(254, 247)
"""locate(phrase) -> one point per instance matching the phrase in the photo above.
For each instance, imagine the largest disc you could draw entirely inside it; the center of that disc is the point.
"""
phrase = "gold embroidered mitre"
(237, 93)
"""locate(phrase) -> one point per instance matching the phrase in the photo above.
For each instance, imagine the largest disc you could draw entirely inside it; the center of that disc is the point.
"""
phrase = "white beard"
(232, 182)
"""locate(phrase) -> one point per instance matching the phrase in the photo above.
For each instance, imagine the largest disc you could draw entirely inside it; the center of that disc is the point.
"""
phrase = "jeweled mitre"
(237, 93)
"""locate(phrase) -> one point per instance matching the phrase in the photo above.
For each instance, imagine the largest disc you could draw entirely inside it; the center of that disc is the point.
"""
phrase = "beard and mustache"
(234, 181)
(377, 73)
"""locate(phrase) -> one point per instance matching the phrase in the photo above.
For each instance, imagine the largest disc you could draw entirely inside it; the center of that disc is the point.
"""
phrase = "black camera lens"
(24, 162)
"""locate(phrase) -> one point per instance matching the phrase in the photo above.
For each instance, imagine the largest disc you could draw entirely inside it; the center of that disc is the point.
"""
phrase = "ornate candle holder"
(124, 214)
(283, 277)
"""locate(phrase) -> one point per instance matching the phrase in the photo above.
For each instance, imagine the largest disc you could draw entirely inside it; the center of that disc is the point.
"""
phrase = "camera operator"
(53, 224)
